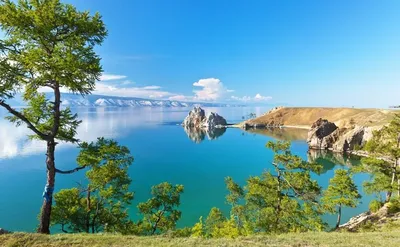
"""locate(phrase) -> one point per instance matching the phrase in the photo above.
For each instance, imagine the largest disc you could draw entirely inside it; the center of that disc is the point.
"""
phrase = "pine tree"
(386, 142)
(102, 204)
(341, 192)
(160, 212)
(47, 45)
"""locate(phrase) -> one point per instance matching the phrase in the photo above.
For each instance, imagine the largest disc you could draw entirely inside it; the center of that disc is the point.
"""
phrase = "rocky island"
(198, 125)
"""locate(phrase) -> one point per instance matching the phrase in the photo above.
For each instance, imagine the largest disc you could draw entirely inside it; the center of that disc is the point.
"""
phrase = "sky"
(299, 53)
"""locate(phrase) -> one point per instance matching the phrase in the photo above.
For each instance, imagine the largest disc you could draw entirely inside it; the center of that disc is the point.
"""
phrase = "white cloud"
(111, 77)
(140, 92)
(212, 89)
(257, 98)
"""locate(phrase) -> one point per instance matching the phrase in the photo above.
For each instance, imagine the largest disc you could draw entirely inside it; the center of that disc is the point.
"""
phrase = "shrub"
(394, 205)
(375, 205)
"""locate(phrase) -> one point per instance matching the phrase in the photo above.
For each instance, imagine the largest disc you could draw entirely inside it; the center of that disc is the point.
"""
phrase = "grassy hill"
(380, 238)
(343, 117)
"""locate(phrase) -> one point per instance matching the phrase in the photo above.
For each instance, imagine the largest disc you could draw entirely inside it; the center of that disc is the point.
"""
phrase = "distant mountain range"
(74, 100)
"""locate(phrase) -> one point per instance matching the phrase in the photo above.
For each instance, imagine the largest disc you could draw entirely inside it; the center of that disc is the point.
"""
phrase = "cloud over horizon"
(207, 89)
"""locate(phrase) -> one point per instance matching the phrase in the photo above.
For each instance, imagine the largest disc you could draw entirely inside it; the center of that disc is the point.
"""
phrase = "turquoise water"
(163, 151)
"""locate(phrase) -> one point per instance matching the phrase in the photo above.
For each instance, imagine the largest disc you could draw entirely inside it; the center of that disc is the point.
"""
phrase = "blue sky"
(302, 53)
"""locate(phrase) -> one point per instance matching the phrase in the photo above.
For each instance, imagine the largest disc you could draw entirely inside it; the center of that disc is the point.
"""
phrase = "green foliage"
(160, 213)
(227, 229)
(282, 200)
(394, 205)
(102, 204)
(198, 229)
(48, 44)
(341, 191)
(375, 205)
(215, 219)
(385, 142)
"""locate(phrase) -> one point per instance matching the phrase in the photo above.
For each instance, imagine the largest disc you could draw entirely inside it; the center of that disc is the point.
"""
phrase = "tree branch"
(24, 119)
(70, 171)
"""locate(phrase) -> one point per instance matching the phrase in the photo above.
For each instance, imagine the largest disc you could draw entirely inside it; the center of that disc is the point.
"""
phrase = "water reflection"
(283, 134)
(330, 159)
(96, 122)
(198, 135)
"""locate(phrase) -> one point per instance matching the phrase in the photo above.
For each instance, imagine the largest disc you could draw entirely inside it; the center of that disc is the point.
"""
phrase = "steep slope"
(342, 117)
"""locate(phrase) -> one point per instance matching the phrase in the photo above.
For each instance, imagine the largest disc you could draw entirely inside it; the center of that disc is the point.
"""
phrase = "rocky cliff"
(325, 135)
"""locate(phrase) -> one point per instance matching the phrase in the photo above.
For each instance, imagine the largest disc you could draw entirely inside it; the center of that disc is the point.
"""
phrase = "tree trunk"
(339, 216)
(44, 224)
(88, 210)
(394, 171)
(278, 207)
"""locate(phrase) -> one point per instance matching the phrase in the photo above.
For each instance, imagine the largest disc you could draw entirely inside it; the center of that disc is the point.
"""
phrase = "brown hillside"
(342, 117)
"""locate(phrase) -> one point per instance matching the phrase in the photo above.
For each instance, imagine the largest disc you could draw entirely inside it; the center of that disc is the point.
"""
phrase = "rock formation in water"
(198, 119)
(325, 135)
(2, 231)
(197, 125)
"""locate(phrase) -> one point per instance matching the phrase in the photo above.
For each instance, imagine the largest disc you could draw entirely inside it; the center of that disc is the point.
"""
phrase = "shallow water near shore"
(163, 151)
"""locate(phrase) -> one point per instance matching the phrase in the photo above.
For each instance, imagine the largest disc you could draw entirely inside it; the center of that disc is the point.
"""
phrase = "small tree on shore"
(101, 205)
(160, 212)
(341, 192)
(47, 45)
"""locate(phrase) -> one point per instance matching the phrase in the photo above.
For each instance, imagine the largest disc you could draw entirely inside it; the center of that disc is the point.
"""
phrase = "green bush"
(394, 205)
(375, 205)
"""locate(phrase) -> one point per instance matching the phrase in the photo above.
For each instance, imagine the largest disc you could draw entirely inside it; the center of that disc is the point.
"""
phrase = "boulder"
(322, 134)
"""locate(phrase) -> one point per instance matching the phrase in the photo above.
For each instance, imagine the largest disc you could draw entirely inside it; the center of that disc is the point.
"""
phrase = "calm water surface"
(163, 151)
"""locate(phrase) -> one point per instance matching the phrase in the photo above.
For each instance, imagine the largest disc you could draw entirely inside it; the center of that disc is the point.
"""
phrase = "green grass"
(385, 238)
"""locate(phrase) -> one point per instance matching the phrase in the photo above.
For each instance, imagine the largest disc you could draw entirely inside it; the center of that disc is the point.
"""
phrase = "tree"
(102, 204)
(386, 142)
(214, 220)
(160, 212)
(284, 199)
(48, 46)
(341, 192)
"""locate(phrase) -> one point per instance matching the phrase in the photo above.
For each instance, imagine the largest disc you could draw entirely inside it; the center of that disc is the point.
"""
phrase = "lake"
(163, 151)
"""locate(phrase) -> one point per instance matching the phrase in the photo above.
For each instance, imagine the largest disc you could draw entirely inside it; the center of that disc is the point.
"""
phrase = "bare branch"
(24, 119)
(70, 171)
